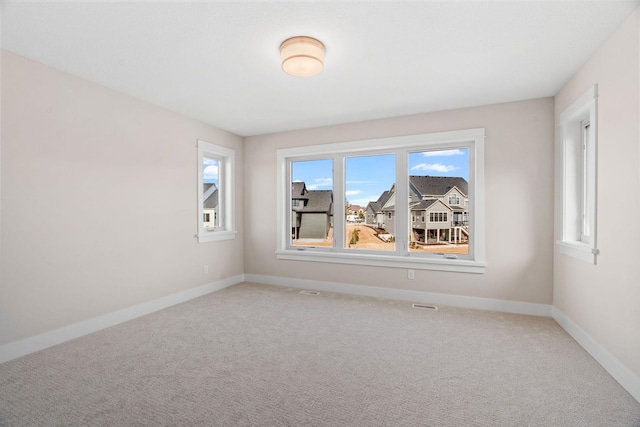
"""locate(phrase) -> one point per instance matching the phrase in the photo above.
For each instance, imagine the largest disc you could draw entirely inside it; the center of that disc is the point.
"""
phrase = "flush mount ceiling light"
(302, 56)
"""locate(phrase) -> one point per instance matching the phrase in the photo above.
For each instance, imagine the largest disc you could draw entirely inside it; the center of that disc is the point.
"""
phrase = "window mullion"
(402, 203)
(476, 200)
(221, 212)
(284, 204)
(338, 202)
(592, 172)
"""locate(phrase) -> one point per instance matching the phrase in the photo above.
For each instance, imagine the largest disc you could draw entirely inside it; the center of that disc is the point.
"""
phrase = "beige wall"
(519, 200)
(98, 201)
(603, 300)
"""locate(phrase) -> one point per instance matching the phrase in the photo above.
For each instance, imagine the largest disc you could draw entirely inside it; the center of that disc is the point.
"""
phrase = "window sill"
(417, 263)
(214, 236)
(578, 250)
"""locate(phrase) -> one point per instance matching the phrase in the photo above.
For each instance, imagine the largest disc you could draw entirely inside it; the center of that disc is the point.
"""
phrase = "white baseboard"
(613, 366)
(39, 342)
(515, 307)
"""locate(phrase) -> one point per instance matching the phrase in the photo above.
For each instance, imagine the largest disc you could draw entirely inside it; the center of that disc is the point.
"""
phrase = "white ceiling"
(219, 61)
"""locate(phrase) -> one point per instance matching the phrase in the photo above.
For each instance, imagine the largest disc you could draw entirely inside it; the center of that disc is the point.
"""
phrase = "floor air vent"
(310, 292)
(425, 307)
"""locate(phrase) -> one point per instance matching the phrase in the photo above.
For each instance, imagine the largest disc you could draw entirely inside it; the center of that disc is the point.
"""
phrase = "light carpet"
(254, 355)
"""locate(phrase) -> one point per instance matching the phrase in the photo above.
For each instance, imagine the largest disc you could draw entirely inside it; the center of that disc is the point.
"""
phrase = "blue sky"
(210, 171)
(368, 177)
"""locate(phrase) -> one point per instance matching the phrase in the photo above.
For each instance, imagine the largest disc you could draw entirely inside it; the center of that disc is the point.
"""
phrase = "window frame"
(401, 146)
(226, 190)
(585, 226)
(577, 178)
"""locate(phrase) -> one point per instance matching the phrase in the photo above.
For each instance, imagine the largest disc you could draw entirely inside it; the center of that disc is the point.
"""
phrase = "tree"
(354, 237)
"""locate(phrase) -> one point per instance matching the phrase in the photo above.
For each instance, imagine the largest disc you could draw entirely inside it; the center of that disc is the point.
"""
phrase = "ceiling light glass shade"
(302, 56)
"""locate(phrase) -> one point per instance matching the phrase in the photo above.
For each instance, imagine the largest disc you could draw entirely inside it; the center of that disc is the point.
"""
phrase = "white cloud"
(210, 172)
(455, 152)
(433, 167)
(320, 182)
(352, 192)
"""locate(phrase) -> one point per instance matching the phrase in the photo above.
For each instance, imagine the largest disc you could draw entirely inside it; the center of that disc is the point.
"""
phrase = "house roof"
(319, 201)
(378, 204)
(390, 204)
(426, 204)
(316, 200)
(423, 204)
(210, 196)
(438, 185)
(299, 190)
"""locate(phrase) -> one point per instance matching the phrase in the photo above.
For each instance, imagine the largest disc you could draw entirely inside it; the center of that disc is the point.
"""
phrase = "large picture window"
(390, 202)
(215, 192)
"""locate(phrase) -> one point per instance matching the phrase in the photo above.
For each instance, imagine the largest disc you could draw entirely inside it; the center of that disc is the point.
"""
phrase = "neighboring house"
(356, 209)
(311, 212)
(431, 222)
(373, 215)
(370, 214)
(439, 209)
(210, 205)
(388, 213)
(459, 204)
(450, 225)
(355, 213)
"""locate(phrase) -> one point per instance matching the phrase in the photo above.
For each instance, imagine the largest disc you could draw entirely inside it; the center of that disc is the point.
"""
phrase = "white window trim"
(403, 258)
(226, 191)
(573, 182)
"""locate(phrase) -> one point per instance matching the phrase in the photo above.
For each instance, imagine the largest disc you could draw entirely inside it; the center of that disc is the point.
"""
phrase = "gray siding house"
(431, 222)
(373, 214)
(210, 205)
(388, 212)
(438, 208)
(311, 212)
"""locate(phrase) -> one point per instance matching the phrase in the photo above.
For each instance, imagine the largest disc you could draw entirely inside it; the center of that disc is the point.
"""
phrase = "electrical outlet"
(411, 274)
(205, 270)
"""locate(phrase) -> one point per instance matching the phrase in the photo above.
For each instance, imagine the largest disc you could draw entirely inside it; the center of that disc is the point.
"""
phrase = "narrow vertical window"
(577, 131)
(211, 170)
(215, 192)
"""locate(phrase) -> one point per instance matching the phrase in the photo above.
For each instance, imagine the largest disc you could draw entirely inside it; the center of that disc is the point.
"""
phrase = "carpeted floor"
(254, 355)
